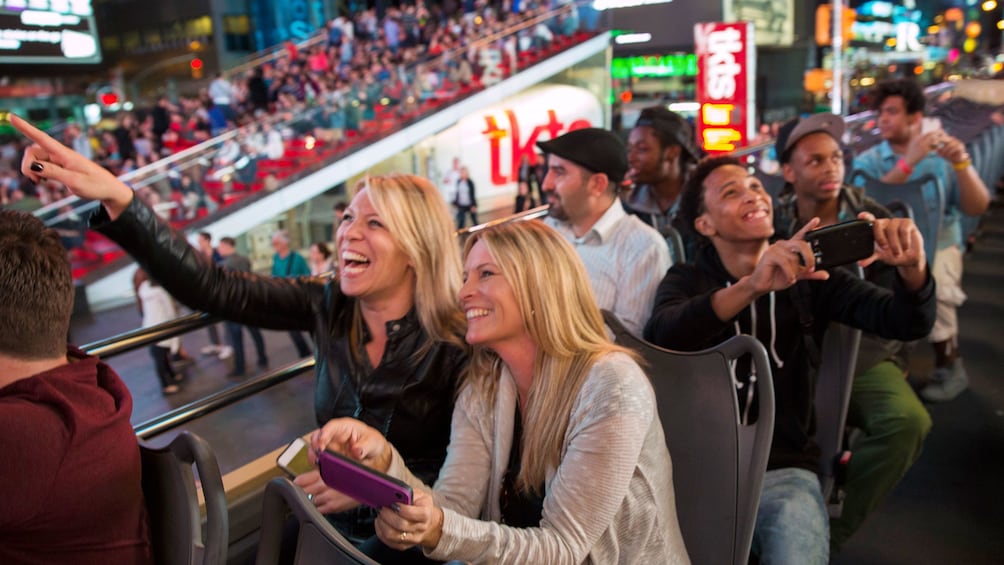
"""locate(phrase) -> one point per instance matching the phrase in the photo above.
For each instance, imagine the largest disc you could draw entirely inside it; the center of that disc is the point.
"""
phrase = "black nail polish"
(36, 166)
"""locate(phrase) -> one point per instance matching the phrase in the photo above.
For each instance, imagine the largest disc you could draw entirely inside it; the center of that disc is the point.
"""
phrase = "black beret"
(598, 150)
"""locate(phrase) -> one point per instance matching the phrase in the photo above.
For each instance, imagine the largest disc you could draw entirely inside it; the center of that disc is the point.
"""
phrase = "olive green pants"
(895, 423)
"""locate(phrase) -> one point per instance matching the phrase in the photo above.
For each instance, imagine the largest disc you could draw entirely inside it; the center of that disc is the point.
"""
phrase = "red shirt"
(70, 471)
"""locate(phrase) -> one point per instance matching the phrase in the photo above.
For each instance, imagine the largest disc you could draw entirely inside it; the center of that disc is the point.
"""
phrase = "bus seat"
(718, 462)
(900, 209)
(317, 542)
(928, 213)
(677, 251)
(837, 360)
(173, 506)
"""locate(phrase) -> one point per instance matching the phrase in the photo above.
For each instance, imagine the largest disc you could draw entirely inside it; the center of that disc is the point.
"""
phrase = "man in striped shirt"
(624, 257)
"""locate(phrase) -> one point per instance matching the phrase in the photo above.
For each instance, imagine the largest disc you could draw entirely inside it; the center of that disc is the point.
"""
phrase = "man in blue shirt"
(287, 263)
(907, 153)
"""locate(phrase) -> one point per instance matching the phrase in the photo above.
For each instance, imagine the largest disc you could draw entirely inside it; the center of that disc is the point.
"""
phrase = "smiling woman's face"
(371, 264)
(488, 301)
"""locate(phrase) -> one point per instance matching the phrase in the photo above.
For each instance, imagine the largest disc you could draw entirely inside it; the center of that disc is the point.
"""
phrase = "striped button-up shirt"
(626, 260)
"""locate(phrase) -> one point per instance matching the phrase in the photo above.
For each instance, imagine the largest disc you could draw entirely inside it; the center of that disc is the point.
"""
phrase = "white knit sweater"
(609, 501)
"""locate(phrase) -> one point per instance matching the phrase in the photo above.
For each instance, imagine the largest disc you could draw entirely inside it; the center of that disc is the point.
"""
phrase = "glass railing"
(193, 185)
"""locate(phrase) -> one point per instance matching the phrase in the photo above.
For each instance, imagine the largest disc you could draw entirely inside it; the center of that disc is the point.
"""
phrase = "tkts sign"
(726, 71)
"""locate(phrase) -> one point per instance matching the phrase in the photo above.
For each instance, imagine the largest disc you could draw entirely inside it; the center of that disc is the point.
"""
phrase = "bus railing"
(134, 339)
(208, 404)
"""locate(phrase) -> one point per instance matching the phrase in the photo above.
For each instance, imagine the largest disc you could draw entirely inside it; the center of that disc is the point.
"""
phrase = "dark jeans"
(463, 212)
(302, 349)
(162, 362)
(214, 334)
(235, 333)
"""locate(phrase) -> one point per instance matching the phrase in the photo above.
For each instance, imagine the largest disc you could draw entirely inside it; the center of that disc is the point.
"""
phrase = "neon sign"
(675, 65)
(726, 69)
(44, 31)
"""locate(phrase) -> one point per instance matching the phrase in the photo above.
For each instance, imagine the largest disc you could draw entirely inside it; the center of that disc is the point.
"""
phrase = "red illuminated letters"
(518, 146)
(725, 62)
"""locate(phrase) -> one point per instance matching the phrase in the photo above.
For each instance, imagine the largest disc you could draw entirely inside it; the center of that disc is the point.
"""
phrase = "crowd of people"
(362, 76)
(486, 379)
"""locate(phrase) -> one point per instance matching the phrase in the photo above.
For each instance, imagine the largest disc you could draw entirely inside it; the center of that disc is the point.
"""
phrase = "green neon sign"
(677, 65)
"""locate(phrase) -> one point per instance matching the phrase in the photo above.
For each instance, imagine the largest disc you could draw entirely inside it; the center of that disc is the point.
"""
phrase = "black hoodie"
(683, 319)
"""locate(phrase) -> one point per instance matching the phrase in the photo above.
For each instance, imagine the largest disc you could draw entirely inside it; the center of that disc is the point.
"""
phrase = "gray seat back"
(927, 212)
(317, 542)
(718, 462)
(677, 251)
(837, 360)
(172, 503)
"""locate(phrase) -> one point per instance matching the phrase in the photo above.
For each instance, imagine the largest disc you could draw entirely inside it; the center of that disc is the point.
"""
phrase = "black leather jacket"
(409, 396)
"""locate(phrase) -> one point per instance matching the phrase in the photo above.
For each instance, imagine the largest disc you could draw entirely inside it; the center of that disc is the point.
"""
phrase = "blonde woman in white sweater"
(587, 478)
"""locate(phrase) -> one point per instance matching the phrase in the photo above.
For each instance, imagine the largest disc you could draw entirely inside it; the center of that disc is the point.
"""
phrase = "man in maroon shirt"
(69, 461)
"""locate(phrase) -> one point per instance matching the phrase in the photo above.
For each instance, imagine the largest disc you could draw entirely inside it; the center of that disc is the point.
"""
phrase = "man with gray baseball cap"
(882, 404)
(625, 258)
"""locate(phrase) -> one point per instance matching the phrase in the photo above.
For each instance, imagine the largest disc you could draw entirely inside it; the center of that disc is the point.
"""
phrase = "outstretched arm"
(164, 253)
(50, 159)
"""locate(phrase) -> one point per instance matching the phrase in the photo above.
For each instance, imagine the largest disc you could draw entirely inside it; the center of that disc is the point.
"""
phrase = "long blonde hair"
(419, 221)
(559, 312)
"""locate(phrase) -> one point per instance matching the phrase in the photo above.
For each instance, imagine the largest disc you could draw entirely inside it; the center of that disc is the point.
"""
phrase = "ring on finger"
(404, 536)
(310, 497)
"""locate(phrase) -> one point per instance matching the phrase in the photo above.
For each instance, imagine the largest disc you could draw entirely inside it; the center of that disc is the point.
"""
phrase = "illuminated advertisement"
(492, 142)
(726, 70)
(773, 20)
(48, 31)
(660, 66)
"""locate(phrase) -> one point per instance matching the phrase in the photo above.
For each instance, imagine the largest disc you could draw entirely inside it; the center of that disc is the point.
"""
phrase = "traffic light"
(824, 24)
(196, 65)
(109, 98)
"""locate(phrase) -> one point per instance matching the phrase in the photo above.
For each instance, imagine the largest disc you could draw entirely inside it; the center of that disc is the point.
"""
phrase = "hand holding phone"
(295, 459)
(842, 243)
(368, 486)
(928, 125)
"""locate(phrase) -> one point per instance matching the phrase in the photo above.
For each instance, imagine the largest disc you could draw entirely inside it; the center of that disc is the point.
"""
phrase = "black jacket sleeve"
(682, 316)
(895, 313)
(271, 303)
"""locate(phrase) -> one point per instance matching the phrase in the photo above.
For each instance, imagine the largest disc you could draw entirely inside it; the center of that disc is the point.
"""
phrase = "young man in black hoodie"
(742, 282)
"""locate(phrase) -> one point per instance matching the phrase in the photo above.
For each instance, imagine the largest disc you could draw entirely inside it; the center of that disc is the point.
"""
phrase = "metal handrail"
(134, 339)
(194, 410)
(531, 214)
(930, 91)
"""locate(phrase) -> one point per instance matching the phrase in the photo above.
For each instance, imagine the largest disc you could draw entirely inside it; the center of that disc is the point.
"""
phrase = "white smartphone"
(294, 458)
(928, 125)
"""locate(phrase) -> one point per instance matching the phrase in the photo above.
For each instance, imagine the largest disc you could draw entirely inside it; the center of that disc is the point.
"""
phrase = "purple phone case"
(368, 486)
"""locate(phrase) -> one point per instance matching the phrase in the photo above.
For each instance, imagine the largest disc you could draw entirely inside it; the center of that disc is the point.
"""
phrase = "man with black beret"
(625, 258)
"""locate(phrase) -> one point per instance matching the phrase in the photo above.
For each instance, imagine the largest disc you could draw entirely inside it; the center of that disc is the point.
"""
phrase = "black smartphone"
(842, 243)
